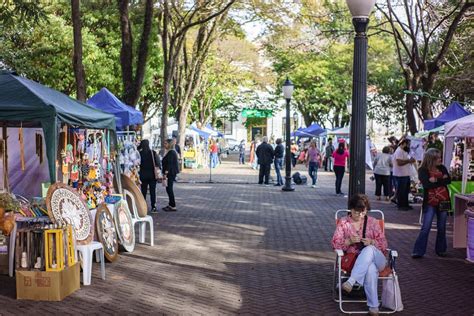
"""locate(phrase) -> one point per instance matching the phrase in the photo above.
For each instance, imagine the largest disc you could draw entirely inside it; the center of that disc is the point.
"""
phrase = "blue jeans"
(278, 166)
(366, 272)
(313, 171)
(214, 160)
(242, 158)
(422, 240)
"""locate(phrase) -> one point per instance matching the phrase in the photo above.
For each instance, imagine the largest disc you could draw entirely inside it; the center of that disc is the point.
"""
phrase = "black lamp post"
(360, 10)
(287, 93)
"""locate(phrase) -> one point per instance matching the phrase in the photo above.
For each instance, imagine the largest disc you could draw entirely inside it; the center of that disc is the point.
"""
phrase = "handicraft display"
(106, 234)
(129, 185)
(66, 207)
(124, 225)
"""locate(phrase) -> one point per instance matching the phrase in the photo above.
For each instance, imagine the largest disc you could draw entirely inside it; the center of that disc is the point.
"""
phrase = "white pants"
(366, 271)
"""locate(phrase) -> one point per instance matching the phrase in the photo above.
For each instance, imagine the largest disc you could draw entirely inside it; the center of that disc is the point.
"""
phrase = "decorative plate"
(106, 234)
(124, 226)
(129, 185)
(66, 207)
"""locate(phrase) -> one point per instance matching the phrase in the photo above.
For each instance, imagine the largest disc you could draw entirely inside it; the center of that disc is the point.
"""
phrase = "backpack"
(299, 179)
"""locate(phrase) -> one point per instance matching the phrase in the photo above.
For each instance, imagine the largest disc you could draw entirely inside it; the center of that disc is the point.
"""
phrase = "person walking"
(214, 150)
(402, 164)
(148, 160)
(434, 177)
(265, 156)
(170, 170)
(382, 168)
(279, 150)
(328, 156)
(242, 152)
(252, 153)
(313, 162)
(340, 157)
(294, 153)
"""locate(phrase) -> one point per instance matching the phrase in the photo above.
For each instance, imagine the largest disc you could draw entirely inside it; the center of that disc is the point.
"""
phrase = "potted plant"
(7, 204)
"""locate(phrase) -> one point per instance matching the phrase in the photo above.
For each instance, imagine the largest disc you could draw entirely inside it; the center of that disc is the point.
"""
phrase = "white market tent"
(460, 128)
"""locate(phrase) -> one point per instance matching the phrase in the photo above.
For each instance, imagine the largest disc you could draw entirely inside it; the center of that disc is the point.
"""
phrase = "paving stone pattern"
(240, 248)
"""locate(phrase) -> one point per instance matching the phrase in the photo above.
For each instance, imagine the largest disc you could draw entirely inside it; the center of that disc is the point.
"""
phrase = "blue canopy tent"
(300, 133)
(209, 127)
(124, 115)
(453, 112)
(314, 129)
(201, 133)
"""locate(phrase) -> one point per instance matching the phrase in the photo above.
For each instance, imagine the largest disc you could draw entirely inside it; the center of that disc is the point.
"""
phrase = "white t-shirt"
(401, 171)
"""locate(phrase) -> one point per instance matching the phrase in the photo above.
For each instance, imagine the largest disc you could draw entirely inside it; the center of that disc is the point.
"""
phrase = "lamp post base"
(288, 186)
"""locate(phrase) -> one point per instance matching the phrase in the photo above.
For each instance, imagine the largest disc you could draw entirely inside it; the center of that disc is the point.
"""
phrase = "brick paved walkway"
(249, 249)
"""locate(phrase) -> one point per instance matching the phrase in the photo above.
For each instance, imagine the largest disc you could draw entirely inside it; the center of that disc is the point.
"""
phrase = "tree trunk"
(133, 98)
(410, 107)
(126, 51)
(78, 66)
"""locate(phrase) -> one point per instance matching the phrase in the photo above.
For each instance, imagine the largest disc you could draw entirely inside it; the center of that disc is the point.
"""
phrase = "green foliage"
(320, 65)
(44, 53)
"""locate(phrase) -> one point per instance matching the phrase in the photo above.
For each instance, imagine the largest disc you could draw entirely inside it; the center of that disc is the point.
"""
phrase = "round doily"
(66, 207)
(124, 226)
(106, 233)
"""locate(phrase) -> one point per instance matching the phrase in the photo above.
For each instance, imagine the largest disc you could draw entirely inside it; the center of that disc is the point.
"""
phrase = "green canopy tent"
(29, 104)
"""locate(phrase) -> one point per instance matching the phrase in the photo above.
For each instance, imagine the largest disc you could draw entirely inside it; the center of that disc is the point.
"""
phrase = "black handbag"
(444, 206)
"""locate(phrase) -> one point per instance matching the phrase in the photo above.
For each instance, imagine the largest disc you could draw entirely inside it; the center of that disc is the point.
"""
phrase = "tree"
(132, 84)
(78, 66)
(423, 36)
(175, 20)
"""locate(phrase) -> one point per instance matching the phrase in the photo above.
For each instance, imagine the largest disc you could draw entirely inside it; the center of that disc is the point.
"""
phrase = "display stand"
(455, 187)
(460, 225)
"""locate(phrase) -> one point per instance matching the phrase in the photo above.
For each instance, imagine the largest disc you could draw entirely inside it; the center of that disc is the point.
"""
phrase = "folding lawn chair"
(340, 276)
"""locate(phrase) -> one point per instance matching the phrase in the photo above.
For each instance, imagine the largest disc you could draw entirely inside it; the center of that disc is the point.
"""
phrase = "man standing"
(402, 164)
(329, 160)
(279, 161)
(242, 152)
(265, 156)
(176, 147)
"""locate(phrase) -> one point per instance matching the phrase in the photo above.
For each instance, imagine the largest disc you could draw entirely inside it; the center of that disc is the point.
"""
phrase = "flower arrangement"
(8, 202)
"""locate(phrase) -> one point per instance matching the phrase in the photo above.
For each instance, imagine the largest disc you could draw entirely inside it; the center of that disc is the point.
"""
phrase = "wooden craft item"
(22, 148)
(124, 226)
(66, 207)
(106, 233)
(54, 249)
(130, 186)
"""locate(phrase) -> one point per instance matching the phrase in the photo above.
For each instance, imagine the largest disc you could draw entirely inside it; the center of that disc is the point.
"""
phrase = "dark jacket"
(265, 154)
(424, 177)
(279, 149)
(170, 164)
(146, 164)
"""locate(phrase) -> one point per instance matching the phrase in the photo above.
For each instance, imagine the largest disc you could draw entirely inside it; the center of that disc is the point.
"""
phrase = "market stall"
(75, 144)
(458, 155)
(125, 115)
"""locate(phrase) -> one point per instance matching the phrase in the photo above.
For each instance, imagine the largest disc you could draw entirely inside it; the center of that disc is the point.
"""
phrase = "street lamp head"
(360, 8)
(295, 116)
(288, 88)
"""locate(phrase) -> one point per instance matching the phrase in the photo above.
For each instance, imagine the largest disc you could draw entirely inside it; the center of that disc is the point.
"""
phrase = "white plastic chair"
(87, 252)
(142, 221)
(340, 275)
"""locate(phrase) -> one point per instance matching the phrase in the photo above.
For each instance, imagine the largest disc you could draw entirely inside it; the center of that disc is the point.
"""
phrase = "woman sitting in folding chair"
(362, 235)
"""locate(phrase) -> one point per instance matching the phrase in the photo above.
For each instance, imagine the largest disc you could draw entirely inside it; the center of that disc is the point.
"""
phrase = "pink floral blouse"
(345, 230)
